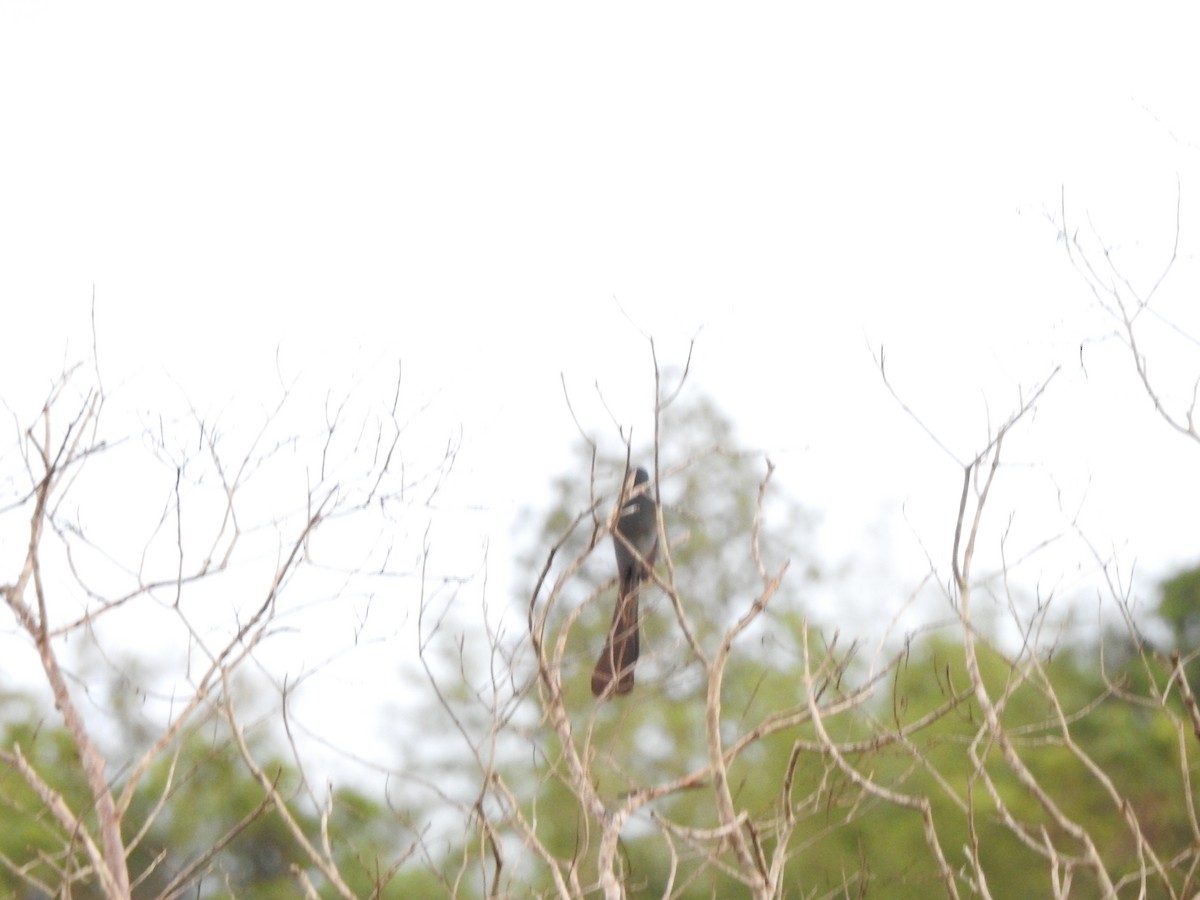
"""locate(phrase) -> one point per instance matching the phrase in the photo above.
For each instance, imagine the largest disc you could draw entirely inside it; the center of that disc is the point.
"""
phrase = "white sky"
(498, 194)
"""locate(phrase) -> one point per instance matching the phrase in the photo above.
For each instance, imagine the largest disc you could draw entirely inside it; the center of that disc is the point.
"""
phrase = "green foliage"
(1135, 748)
(198, 797)
(1180, 608)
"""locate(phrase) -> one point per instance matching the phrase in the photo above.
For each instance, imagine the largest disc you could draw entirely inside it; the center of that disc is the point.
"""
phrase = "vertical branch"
(113, 872)
(995, 728)
(753, 870)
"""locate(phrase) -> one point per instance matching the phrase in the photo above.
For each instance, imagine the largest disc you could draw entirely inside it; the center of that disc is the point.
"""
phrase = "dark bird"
(638, 525)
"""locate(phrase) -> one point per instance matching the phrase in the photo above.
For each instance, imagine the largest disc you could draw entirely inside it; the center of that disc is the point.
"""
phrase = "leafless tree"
(237, 550)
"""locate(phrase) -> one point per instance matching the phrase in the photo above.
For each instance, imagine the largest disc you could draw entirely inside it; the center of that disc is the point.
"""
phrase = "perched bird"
(638, 525)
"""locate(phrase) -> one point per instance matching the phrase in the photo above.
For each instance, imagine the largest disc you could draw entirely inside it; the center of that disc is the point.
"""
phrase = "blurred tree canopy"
(205, 813)
(1179, 607)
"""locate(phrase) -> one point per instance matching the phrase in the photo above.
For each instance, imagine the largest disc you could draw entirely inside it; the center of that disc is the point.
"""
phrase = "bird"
(637, 524)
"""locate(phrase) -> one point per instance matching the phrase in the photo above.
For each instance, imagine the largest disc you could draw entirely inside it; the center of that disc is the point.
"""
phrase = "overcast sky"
(504, 196)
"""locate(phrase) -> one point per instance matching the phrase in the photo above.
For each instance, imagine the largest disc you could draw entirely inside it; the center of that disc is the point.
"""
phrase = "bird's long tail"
(620, 652)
